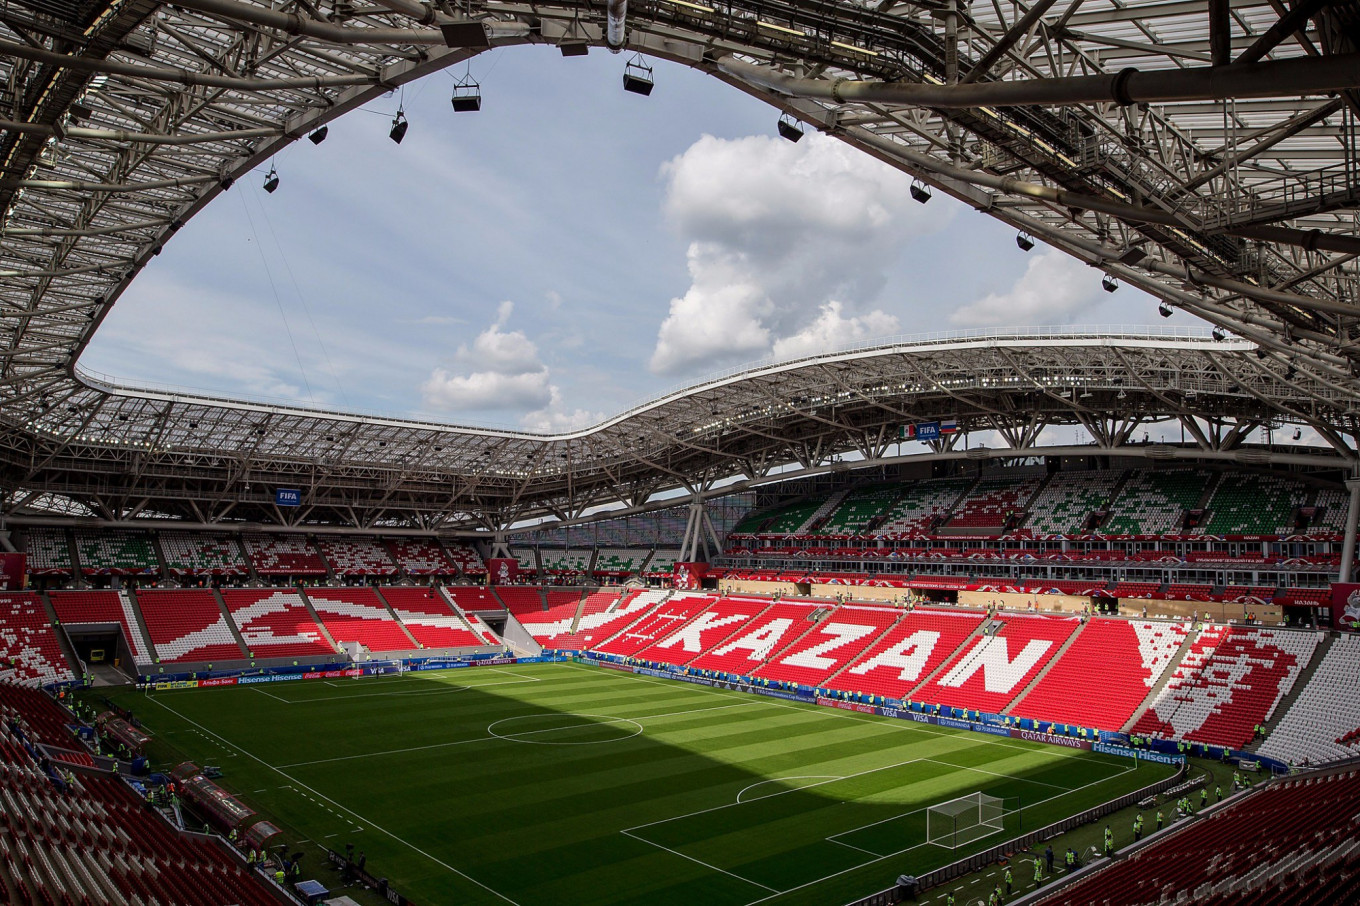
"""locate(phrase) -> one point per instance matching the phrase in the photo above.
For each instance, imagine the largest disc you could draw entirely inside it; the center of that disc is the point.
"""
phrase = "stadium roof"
(121, 452)
(1204, 152)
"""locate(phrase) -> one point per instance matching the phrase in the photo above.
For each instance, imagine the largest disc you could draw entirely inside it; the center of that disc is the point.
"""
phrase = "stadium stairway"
(823, 511)
(160, 554)
(140, 621)
(869, 646)
(670, 593)
(1057, 656)
(316, 617)
(231, 624)
(1167, 674)
(814, 619)
(63, 643)
(1300, 683)
(77, 568)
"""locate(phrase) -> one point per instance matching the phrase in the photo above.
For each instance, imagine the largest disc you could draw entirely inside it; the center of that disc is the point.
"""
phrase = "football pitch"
(570, 784)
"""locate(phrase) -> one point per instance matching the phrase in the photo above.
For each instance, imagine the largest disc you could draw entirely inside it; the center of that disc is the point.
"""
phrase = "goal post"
(965, 820)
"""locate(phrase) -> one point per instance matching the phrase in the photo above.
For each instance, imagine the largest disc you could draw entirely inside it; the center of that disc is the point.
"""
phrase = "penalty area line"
(382, 830)
(701, 862)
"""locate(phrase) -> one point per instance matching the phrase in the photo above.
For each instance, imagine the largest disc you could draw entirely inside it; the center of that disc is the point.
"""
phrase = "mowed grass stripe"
(544, 823)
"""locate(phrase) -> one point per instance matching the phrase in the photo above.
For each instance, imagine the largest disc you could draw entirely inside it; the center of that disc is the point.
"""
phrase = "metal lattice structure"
(122, 453)
(1205, 152)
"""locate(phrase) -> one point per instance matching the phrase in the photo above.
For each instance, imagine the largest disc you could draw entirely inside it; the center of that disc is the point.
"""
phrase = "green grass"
(567, 784)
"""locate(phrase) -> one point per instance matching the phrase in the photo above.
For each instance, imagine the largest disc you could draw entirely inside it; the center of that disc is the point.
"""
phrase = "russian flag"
(949, 426)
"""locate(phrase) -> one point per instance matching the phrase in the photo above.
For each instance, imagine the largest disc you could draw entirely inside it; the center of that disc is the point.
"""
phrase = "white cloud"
(1054, 289)
(774, 232)
(501, 369)
(553, 419)
(832, 331)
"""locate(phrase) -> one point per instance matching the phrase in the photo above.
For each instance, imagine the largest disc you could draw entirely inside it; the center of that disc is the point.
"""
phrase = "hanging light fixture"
(920, 191)
(1164, 310)
(790, 128)
(467, 95)
(271, 180)
(637, 76)
(399, 125)
(319, 136)
(1024, 240)
(1109, 283)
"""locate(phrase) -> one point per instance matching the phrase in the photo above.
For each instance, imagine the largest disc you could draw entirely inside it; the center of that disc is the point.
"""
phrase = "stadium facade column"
(699, 532)
(500, 550)
(1348, 545)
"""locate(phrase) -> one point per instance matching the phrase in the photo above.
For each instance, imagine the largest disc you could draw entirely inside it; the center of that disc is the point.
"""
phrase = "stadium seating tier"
(29, 650)
(275, 623)
(187, 625)
(920, 642)
(358, 615)
(993, 669)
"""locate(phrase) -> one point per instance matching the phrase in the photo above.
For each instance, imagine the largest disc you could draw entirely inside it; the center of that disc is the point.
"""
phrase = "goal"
(964, 820)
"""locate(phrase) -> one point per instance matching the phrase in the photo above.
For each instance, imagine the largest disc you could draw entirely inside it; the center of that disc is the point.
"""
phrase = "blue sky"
(566, 251)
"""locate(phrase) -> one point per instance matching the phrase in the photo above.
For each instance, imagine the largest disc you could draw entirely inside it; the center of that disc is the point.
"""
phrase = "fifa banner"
(689, 575)
(502, 571)
(12, 571)
(1346, 606)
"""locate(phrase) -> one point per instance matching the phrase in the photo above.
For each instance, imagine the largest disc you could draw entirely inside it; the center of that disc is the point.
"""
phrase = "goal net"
(964, 820)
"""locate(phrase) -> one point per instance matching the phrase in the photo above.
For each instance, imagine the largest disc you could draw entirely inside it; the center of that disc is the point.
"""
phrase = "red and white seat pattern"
(473, 597)
(275, 623)
(718, 622)
(751, 646)
(202, 554)
(357, 556)
(96, 842)
(601, 617)
(555, 623)
(84, 607)
(830, 645)
(428, 617)
(1119, 660)
(359, 615)
(1322, 723)
(466, 559)
(283, 555)
(656, 625)
(993, 501)
(49, 553)
(900, 660)
(1226, 691)
(663, 562)
(187, 625)
(520, 599)
(991, 671)
(421, 558)
(1292, 842)
(29, 651)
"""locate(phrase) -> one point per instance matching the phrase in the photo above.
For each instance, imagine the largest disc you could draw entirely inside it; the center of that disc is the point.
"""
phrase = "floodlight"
(1290, 373)
(467, 96)
(790, 128)
(1298, 433)
(271, 180)
(920, 191)
(1218, 334)
(399, 125)
(1024, 241)
(1164, 310)
(1109, 283)
(637, 76)
(319, 135)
